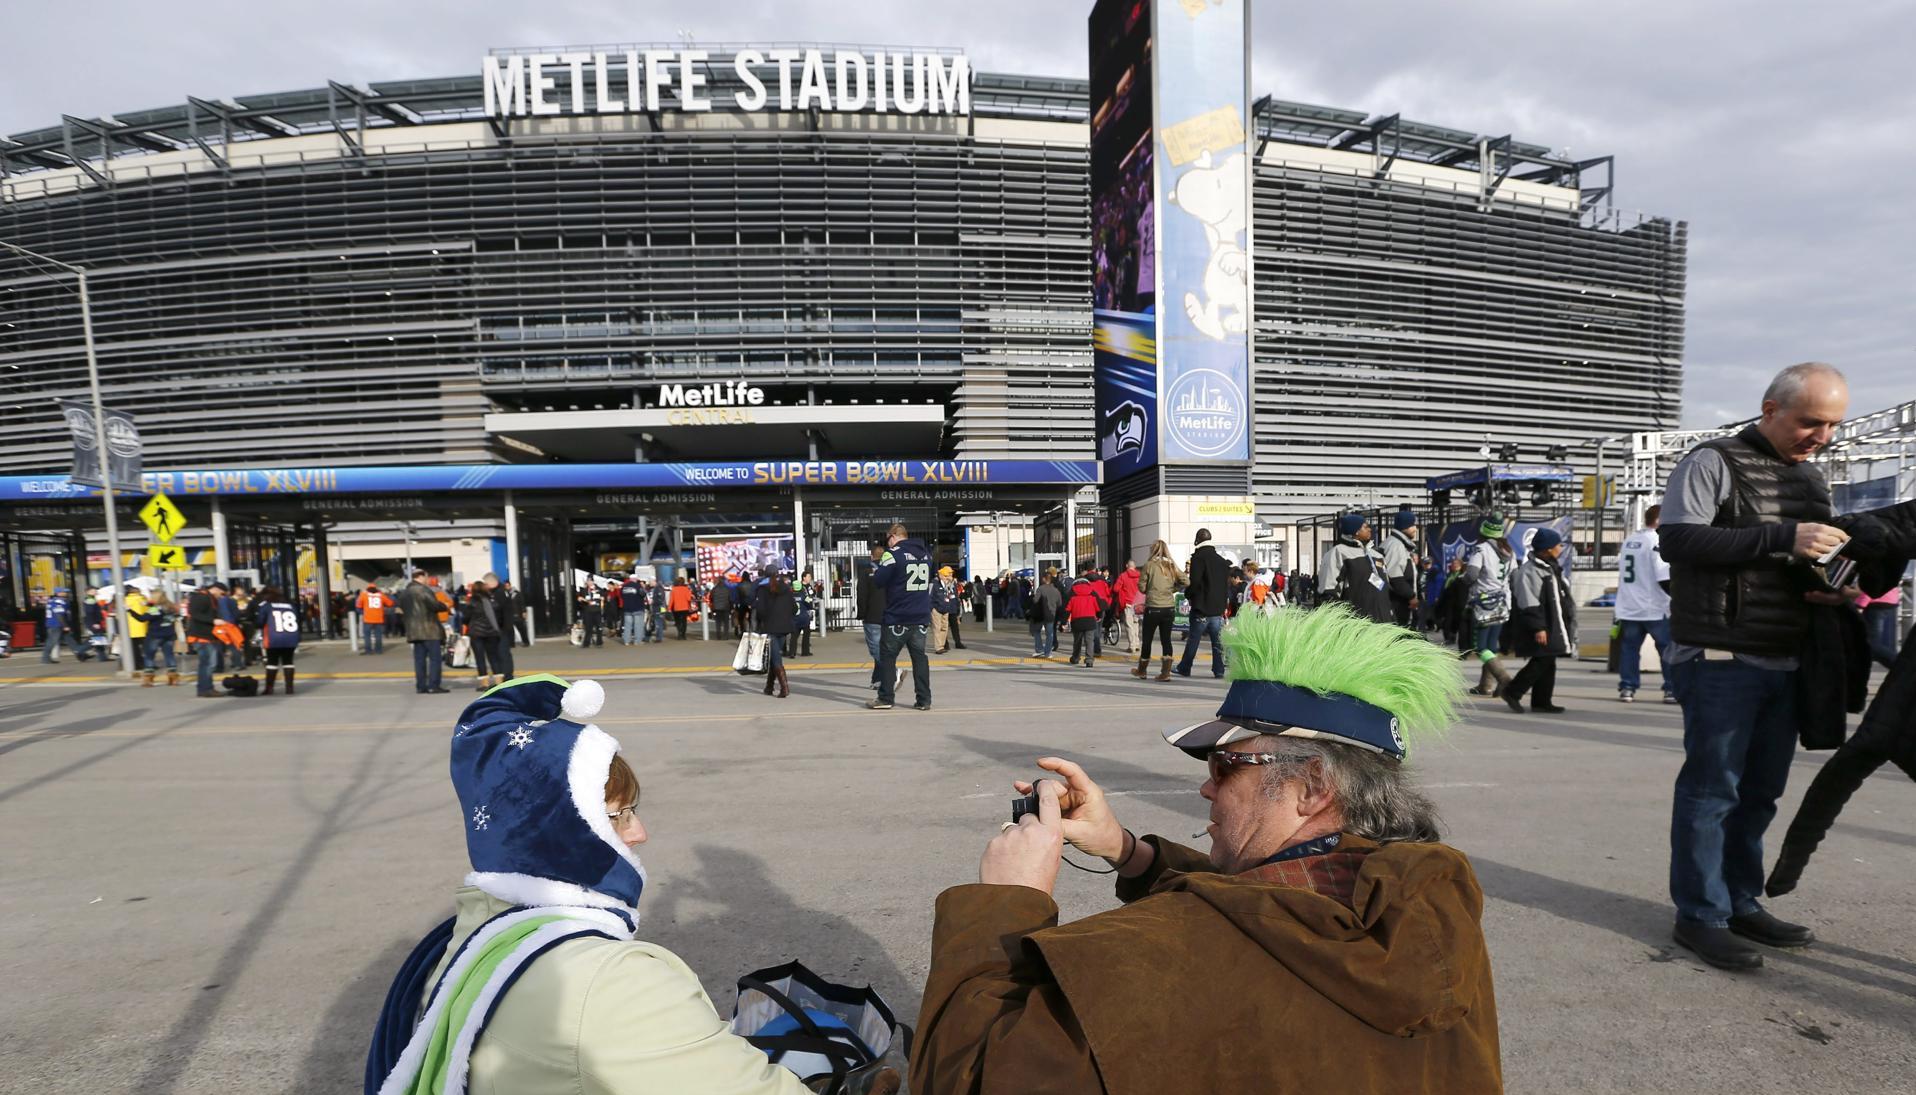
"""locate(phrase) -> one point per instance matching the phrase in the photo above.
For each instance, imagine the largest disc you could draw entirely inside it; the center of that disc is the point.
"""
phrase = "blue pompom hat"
(530, 775)
(1348, 524)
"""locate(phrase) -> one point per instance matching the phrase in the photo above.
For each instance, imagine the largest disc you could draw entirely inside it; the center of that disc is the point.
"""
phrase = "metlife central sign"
(630, 81)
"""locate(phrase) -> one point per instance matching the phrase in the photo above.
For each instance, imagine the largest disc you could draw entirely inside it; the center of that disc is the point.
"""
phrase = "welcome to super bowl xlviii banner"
(1170, 182)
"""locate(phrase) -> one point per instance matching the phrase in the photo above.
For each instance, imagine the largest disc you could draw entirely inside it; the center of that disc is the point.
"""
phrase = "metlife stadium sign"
(521, 83)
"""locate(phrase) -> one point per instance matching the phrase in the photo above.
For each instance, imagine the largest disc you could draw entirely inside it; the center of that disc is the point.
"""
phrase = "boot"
(1139, 671)
(1822, 804)
(1484, 687)
(272, 677)
(146, 681)
(172, 677)
(289, 680)
(1495, 667)
(1089, 659)
(771, 681)
(784, 684)
(1164, 674)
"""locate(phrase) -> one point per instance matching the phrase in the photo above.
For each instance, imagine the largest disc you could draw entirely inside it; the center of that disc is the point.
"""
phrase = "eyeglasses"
(1221, 761)
(624, 817)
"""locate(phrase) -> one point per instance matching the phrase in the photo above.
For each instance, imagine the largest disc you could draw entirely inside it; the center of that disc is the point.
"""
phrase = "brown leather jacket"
(1361, 970)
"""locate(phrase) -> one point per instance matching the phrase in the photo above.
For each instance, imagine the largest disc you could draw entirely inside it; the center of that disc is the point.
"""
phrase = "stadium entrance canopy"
(835, 504)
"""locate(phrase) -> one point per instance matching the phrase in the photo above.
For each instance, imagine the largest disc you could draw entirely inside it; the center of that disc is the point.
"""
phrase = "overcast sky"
(1785, 133)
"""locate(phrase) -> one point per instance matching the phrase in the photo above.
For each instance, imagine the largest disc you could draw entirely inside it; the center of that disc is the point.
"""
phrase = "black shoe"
(921, 707)
(1771, 932)
(1513, 703)
(1182, 672)
(1547, 709)
(879, 705)
(437, 691)
(960, 646)
(1717, 947)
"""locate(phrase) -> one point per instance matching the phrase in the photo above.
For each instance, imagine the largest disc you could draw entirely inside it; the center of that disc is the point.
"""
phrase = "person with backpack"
(545, 930)
(279, 635)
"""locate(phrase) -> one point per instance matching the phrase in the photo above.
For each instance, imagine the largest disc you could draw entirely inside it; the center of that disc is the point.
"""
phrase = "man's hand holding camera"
(1073, 812)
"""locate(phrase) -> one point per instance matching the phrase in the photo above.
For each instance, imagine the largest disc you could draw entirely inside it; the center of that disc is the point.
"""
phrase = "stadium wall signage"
(635, 81)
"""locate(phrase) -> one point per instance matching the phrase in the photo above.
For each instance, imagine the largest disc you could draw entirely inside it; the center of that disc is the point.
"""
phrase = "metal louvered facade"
(358, 276)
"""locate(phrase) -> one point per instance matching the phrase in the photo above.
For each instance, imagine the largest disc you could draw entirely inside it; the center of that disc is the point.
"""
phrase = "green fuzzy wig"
(1330, 649)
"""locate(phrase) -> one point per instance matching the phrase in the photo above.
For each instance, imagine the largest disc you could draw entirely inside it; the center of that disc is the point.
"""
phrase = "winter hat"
(1545, 539)
(1492, 527)
(1348, 524)
(1405, 519)
(530, 775)
(1328, 673)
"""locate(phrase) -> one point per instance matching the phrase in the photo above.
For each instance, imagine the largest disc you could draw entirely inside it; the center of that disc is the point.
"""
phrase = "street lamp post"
(99, 440)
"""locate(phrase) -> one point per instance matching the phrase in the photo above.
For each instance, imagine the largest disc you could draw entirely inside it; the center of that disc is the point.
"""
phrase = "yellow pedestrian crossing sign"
(163, 519)
(167, 557)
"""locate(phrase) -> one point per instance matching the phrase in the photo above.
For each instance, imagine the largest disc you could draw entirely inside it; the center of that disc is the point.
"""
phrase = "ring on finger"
(1007, 826)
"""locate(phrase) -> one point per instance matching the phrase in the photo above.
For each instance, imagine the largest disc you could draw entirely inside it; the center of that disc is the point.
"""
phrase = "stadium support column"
(798, 531)
(222, 556)
(1071, 533)
(323, 579)
(512, 558)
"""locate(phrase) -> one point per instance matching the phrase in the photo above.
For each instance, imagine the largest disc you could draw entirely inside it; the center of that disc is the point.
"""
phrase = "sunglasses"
(1221, 761)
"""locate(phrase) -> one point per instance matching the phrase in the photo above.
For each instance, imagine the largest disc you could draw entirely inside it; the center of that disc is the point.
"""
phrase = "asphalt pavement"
(212, 895)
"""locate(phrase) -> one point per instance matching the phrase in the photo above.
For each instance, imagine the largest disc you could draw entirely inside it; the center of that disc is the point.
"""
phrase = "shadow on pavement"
(337, 1059)
(1649, 922)
(757, 924)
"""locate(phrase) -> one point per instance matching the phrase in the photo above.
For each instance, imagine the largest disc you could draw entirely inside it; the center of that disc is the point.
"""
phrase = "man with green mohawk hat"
(1327, 942)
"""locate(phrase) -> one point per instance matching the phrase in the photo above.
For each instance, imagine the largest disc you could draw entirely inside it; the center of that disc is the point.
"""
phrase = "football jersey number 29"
(917, 577)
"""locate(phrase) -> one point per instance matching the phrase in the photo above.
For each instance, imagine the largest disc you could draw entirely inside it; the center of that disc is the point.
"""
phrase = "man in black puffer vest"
(1743, 517)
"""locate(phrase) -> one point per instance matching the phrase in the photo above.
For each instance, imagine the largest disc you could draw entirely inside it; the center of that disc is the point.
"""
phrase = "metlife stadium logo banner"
(1171, 193)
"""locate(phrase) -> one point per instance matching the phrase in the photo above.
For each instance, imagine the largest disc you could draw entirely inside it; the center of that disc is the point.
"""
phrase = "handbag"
(460, 655)
(577, 636)
(741, 659)
(817, 1029)
(755, 652)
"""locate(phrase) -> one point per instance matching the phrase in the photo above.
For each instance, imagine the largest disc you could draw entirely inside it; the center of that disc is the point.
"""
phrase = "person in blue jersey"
(903, 571)
(278, 635)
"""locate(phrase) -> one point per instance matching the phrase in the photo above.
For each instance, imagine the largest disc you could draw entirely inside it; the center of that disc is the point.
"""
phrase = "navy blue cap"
(1545, 539)
(1252, 708)
(1349, 523)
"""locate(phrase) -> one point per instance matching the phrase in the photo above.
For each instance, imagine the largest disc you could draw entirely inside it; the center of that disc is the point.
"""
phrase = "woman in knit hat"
(1545, 623)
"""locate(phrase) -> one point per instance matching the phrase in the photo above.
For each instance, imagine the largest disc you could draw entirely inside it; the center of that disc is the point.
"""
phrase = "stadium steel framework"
(355, 275)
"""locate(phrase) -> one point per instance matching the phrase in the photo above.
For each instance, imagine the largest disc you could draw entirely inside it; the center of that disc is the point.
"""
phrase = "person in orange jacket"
(679, 603)
(372, 618)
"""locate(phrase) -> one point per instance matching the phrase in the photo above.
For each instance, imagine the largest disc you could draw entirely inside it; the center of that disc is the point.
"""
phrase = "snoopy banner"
(1171, 232)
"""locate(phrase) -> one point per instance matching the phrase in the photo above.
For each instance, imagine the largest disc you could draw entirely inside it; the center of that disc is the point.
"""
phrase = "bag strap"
(813, 1040)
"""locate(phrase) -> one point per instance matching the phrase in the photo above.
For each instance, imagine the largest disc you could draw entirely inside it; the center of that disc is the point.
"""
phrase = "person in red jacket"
(1101, 585)
(1084, 608)
(1125, 591)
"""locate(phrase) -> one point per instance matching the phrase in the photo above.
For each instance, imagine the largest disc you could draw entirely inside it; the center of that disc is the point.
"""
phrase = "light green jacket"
(599, 1016)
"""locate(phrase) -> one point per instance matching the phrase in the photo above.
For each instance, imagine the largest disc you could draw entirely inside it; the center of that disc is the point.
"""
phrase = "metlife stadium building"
(740, 286)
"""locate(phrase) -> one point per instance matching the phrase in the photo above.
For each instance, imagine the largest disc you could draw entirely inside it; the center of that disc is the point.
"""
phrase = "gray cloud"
(1780, 131)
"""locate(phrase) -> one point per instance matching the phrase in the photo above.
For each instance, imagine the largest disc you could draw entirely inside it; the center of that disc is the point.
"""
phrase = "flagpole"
(114, 561)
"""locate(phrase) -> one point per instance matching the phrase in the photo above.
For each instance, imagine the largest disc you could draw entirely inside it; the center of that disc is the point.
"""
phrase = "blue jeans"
(656, 625)
(1739, 733)
(1198, 628)
(56, 638)
(632, 627)
(203, 655)
(425, 663)
(874, 633)
(1042, 639)
(1879, 621)
(908, 637)
(1630, 657)
(375, 638)
(156, 646)
(1489, 637)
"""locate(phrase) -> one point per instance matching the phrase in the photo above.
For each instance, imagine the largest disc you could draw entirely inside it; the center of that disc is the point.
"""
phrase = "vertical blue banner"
(1124, 236)
(1203, 271)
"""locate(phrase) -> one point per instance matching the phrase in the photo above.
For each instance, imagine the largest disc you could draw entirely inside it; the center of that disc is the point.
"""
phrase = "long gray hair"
(1377, 797)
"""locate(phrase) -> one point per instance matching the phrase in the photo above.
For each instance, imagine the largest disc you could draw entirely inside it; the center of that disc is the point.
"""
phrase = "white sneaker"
(1626, 697)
